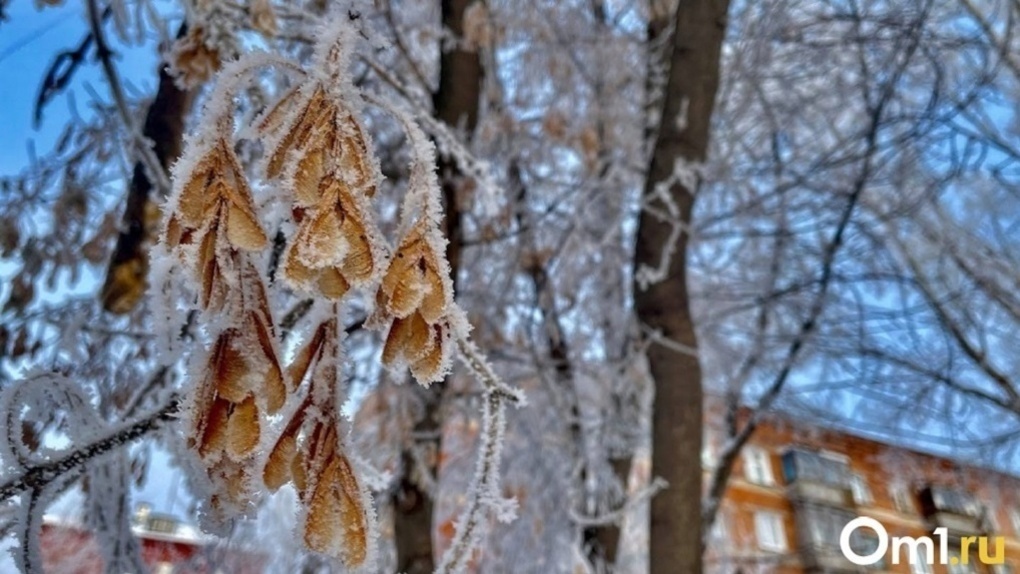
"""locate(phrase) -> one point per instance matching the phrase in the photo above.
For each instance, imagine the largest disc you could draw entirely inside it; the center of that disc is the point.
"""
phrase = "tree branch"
(36, 477)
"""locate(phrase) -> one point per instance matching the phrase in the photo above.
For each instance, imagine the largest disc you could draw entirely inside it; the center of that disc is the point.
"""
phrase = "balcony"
(818, 530)
(829, 561)
(956, 511)
(816, 478)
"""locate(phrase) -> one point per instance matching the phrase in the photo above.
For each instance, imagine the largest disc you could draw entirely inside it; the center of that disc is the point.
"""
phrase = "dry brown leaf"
(174, 231)
(311, 169)
(336, 524)
(271, 122)
(214, 431)
(321, 238)
(195, 203)
(231, 380)
(408, 340)
(332, 284)
(243, 429)
(358, 264)
(209, 269)
(296, 272)
(274, 386)
(192, 60)
(428, 366)
(263, 18)
(243, 229)
(434, 302)
(408, 293)
(297, 133)
(299, 474)
(278, 466)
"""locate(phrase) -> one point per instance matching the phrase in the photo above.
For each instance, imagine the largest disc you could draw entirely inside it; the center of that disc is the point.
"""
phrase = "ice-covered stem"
(617, 515)
(28, 554)
(234, 75)
(38, 476)
(484, 489)
(422, 177)
(449, 144)
(479, 366)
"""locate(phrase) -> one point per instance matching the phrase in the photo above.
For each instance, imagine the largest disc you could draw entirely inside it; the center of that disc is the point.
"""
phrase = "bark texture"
(664, 307)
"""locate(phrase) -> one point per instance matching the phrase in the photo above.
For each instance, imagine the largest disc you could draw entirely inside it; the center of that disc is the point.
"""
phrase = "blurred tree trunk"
(456, 103)
(663, 306)
(125, 281)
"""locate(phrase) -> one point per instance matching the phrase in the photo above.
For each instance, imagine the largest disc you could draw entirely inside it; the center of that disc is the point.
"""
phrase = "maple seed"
(336, 524)
(278, 466)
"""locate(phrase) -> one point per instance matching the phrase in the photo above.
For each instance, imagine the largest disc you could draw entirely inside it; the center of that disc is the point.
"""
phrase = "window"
(956, 565)
(824, 524)
(861, 490)
(901, 499)
(865, 543)
(757, 466)
(991, 521)
(919, 561)
(812, 466)
(768, 528)
(955, 501)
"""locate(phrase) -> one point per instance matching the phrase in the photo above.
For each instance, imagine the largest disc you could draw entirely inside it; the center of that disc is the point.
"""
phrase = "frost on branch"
(253, 422)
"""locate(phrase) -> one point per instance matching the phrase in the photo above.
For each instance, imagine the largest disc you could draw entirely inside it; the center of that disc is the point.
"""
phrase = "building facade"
(166, 547)
(796, 485)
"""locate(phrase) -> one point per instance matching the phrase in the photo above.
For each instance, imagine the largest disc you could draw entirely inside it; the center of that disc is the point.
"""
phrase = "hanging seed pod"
(211, 217)
(322, 156)
(416, 299)
(310, 453)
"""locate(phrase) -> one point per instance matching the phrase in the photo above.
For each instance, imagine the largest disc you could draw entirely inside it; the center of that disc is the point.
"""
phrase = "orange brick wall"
(881, 465)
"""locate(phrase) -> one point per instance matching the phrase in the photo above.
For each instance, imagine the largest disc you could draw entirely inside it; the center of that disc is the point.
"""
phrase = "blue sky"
(29, 40)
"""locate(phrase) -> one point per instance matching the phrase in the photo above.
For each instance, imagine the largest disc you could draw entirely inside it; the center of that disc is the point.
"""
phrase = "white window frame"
(836, 456)
(861, 490)
(758, 466)
(769, 531)
(959, 567)
(901, 498)
(991, 518)
(919, 562)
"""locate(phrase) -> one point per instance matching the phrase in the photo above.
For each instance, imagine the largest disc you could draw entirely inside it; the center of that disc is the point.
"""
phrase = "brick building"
(167, 547)
(796, 485)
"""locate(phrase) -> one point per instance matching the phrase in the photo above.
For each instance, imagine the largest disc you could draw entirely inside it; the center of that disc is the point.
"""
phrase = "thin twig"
(142, 149)
(37, 477)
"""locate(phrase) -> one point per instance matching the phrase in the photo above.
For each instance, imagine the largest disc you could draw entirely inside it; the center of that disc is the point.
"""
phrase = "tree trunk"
(164, 125)
(663, 306)
(456, 103)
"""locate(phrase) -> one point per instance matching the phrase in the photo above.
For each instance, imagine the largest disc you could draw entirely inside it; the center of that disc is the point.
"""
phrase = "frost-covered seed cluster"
(253, 421)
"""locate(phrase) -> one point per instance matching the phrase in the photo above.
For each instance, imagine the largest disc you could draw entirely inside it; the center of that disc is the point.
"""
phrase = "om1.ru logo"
(915, 546)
